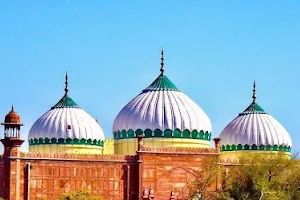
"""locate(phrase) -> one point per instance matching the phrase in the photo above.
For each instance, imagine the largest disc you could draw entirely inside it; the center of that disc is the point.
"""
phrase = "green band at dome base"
(62, 141)
(157, 133)
(256, 148)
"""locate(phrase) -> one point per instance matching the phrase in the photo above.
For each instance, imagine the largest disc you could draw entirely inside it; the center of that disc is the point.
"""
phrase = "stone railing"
(78, 156)
(228, 161)
(178, 150)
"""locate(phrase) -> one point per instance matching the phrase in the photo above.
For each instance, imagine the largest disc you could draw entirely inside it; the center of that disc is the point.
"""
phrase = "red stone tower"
(12, 141)
(12, 166)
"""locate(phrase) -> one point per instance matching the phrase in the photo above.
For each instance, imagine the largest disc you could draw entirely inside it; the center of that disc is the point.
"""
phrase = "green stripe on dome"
(162, 82)
(65, 102)
(68, 141)
(158, 133)
(254, 147)
(254, 108)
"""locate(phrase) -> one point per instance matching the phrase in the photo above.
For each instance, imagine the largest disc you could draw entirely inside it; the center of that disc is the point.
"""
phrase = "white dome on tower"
(66, 123)
(162, 110)
(255, 129)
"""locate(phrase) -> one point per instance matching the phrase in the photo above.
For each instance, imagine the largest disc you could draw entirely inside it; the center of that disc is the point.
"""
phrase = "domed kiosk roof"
(12, 117)
(161, 107)
(255, 129)
(64, 122)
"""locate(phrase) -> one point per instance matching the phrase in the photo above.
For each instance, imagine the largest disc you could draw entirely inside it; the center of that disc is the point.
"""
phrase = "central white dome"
(164, 116)
(162, 106)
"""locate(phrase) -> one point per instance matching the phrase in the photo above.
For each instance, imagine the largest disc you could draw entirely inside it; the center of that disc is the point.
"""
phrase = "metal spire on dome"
(162, 62)
(254, 93)
(12, 107)
(66, 84)
(253, 108)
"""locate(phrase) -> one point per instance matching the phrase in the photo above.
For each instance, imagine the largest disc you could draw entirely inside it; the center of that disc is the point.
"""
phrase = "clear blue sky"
(111, 50)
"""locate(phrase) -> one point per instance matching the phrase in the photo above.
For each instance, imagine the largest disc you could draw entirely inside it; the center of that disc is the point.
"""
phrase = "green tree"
(79, 195)
(262, 177)
(202, 187)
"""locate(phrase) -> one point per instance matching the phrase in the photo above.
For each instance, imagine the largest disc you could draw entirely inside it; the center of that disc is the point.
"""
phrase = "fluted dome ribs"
(162, 107)
(66, 123)
(255, 129)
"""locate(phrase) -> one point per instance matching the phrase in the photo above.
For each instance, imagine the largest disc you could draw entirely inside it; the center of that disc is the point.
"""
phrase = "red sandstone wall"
(50, 178)
(167, 171)
(2, 177)
(51, 175)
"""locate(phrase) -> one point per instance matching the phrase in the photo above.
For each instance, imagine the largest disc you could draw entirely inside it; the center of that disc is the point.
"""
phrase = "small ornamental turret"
(145, 193)
(140, 142)
(172, 196)
(151, 193)
(217, 144)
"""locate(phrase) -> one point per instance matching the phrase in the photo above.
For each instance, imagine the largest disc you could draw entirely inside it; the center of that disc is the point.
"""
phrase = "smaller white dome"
(66, 120)
(255, 128)
(258, 129)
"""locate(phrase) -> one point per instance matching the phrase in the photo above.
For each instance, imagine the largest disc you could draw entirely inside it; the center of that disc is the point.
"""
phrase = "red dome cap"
(12, 117)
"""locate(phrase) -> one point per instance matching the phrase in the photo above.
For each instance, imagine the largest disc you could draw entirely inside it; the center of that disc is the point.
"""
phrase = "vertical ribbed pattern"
(162, 109)
(54, 124)
(255, 128)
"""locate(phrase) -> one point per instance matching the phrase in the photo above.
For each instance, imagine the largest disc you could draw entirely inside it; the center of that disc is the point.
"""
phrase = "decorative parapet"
(157, 133)
(184, 150)
(83, 157)
(109, 141)
(228, 161)
(255, 148)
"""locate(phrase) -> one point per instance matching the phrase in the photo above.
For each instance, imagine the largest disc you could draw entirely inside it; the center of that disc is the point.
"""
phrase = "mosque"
(160, 140)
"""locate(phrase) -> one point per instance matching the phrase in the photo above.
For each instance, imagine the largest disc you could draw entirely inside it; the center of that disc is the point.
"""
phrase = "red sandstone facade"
(152, 171)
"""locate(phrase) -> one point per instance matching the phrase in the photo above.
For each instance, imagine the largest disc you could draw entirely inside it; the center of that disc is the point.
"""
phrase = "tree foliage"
(262, 177)
(79, 195)
(205, 179)
(269, 176)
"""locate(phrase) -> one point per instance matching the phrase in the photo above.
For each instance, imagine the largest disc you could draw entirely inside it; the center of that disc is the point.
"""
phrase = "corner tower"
(164, 116)
(12, 140)
(11, 174)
